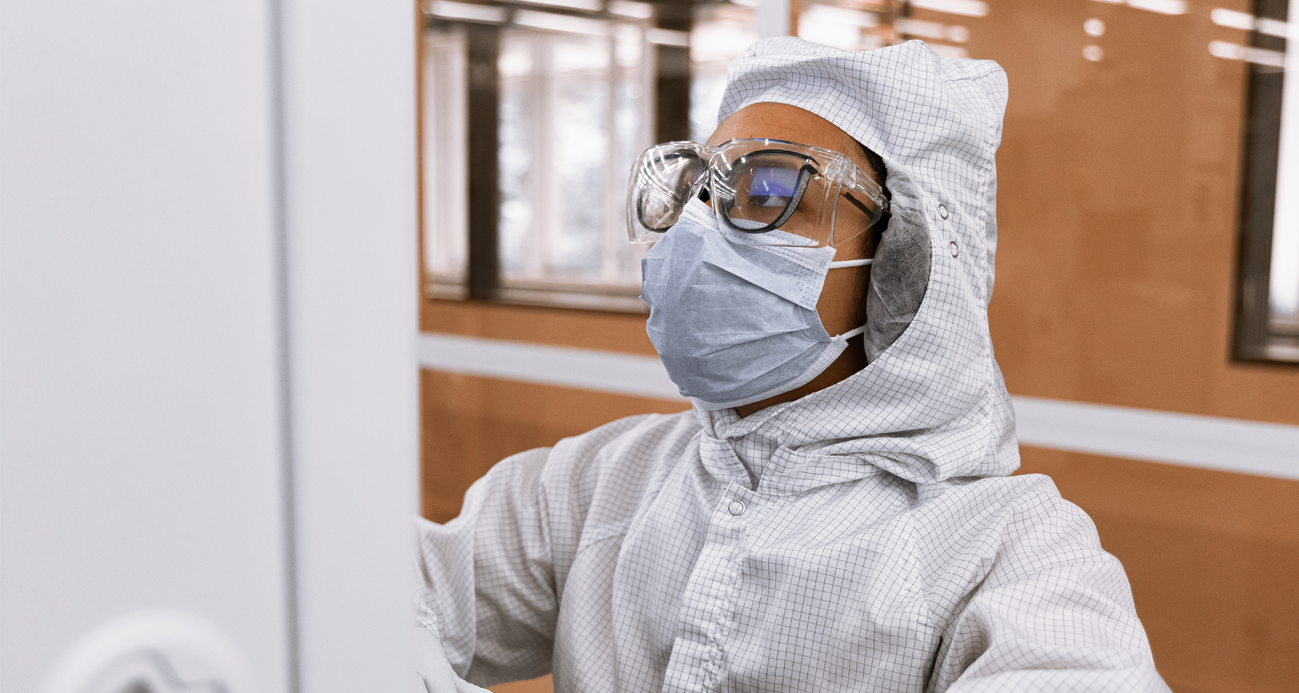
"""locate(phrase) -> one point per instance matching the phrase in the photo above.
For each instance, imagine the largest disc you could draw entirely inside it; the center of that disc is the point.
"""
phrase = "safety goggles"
(816, 197)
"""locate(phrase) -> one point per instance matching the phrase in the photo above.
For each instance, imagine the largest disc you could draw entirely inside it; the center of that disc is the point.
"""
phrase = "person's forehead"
(779, 121)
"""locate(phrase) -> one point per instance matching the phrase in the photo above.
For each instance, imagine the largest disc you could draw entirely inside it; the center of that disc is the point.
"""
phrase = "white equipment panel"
(208, 403)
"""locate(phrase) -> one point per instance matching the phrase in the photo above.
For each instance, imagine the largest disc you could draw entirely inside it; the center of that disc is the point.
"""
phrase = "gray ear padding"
(900, 272)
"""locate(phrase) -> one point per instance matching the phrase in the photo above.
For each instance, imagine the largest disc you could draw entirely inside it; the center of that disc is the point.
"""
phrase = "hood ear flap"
(900, 273)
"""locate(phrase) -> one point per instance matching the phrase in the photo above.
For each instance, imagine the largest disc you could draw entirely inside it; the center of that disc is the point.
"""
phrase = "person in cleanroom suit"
(859, 532)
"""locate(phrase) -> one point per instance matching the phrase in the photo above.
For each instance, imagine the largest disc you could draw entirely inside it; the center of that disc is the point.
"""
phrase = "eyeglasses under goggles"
(817, 197)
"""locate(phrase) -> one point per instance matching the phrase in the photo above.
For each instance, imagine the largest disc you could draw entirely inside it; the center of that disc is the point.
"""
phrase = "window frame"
(1257, 338)
(668, 111)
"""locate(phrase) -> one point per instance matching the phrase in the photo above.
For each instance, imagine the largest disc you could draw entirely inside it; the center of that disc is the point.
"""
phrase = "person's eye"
(772, 187)
(769, 200)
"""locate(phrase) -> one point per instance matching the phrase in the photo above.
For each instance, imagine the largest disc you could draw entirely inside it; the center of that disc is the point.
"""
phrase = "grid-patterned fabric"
(748, 437)
(863, 538)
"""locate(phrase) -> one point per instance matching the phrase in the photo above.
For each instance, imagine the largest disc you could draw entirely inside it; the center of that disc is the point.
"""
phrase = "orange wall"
(1212, 558)
(470, 423)
(1118, 201)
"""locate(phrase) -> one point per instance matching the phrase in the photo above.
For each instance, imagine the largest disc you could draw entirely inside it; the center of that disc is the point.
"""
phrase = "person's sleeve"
(1053, 612)
(486, 592)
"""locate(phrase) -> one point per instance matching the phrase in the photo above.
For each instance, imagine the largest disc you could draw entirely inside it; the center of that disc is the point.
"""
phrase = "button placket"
(707, 618)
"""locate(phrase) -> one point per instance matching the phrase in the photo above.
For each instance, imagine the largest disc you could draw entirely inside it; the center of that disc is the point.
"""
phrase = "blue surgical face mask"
(735, 322)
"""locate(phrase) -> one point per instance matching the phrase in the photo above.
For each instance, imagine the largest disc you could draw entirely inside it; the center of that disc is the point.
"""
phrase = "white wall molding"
(1209, 442)
(586, 369)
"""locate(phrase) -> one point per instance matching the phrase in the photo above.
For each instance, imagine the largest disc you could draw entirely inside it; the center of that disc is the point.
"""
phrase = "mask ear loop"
(851, 263)
(851, 333)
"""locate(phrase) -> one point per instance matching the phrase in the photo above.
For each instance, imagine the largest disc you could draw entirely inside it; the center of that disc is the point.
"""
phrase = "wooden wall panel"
(469, 424)
(585, 329)
(1118, 187)
(1213, 558)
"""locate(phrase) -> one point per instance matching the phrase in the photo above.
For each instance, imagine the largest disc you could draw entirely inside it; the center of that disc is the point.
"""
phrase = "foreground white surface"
(224, 196)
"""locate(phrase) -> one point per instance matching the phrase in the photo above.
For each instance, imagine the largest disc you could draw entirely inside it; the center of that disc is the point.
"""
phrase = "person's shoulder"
(643, 435)
(594, 482)
(993, 505)
(625, 453)
(625, 449)
(967, 528)
(987, 492)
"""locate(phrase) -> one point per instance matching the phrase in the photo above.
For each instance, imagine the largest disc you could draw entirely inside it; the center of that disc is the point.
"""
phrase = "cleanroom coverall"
(866, 537)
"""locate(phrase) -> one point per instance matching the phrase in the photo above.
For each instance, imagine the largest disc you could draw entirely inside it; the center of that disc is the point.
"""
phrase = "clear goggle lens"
(804, 194)
(662, 185)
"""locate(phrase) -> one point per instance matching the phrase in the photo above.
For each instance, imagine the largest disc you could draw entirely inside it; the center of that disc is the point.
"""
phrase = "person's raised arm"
(486, 578)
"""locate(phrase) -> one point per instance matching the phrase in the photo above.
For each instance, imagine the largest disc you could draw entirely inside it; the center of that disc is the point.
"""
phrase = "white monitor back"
(208, 405)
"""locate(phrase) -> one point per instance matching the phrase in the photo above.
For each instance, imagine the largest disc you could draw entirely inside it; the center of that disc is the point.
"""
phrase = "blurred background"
(276, 275)
(1146, 313)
